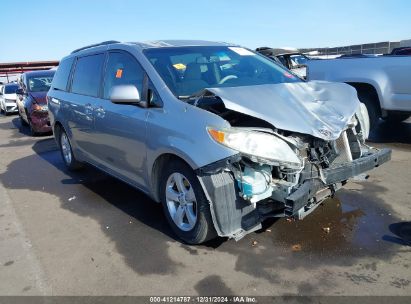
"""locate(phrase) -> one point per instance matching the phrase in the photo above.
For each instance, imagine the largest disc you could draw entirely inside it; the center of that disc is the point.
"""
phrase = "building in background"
(378, 48)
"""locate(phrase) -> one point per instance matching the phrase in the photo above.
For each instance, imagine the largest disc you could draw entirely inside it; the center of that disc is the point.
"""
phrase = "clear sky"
(48, 30)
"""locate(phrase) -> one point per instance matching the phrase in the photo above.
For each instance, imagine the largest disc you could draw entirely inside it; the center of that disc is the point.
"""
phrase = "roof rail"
(94, 45)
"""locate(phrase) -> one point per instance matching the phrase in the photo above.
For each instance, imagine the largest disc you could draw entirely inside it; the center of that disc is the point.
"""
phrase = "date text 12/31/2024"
(203, 299)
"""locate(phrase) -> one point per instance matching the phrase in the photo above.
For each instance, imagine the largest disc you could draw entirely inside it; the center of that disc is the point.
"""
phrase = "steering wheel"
(228, 77)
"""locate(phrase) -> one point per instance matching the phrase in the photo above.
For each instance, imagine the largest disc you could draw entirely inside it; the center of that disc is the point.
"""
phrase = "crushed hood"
(318, 108)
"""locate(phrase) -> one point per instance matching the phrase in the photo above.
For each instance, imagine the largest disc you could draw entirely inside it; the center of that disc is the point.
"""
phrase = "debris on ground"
(296, 247)
(268, 230)
(254, 243)
(360, 177)
(326, 229)
(290, 220)
(107, 227)
(72, 198)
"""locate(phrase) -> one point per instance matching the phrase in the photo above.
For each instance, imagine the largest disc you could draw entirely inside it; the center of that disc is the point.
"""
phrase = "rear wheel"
(185, 205)
(67, 152)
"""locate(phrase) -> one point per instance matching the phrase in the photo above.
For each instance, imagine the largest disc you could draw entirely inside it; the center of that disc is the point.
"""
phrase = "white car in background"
(8, 98)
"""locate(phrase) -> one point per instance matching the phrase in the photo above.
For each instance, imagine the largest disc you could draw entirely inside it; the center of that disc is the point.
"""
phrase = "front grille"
(343, 150)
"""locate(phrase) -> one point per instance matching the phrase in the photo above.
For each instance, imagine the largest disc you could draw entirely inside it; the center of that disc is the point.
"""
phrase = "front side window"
(39, 83)
(122, 68)
(87, 75)
(153, 98)
(188, 70)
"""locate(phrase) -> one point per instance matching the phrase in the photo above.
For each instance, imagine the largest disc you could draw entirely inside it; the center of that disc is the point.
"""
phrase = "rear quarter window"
(62, 74)
(87, 75)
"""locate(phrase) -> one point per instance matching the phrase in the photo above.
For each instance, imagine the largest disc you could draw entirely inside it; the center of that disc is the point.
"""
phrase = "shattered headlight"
(364, 120)
(256, 144)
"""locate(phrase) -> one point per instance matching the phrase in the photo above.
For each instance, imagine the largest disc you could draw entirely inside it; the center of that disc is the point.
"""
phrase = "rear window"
(10, 89)
(62, 74)
(87, 75)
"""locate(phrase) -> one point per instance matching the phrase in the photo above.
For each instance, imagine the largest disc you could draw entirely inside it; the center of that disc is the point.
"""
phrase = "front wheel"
(372, 109)
(185, 205)
(67, 153)
(22, 121)
(32, 130)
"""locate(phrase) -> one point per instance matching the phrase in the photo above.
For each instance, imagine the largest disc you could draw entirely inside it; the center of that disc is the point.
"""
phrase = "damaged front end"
(278, 173)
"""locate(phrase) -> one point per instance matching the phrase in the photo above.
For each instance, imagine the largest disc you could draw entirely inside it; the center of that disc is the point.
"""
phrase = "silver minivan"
(222, 136)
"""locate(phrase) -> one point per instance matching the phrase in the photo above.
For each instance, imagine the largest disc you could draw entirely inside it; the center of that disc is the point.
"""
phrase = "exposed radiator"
(343, 149)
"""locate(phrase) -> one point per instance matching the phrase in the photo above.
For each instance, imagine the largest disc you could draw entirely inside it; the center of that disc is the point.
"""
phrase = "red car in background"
(32, 102)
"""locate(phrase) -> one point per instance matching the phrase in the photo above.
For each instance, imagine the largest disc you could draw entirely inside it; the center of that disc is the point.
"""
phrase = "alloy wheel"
(181, 201)
(65, 148)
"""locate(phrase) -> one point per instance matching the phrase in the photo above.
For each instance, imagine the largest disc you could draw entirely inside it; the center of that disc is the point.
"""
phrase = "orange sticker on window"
(119, 73)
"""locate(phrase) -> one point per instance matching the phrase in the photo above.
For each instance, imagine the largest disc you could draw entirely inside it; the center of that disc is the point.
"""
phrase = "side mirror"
(125, 94)
(19, 91)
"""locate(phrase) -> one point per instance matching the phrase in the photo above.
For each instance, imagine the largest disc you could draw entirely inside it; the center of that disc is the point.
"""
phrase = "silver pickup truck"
(383, 83)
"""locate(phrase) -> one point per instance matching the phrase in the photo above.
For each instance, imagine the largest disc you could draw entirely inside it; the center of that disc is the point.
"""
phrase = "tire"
(32, 131)
(66, 151)
(22, 121)
(372, 108)
(397, 117)
(193, 205)
(3, 108)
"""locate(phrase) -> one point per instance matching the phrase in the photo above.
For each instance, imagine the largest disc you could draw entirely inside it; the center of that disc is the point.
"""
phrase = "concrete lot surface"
(86, 233)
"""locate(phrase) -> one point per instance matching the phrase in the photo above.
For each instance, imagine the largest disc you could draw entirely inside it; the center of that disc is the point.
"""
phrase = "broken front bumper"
(344, 171)
(331, 176)
(40, 121)
(235, 217)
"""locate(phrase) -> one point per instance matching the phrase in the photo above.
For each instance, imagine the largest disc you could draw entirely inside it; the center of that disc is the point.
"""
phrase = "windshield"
(40, 83)
(10, 89)
(188, 70)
